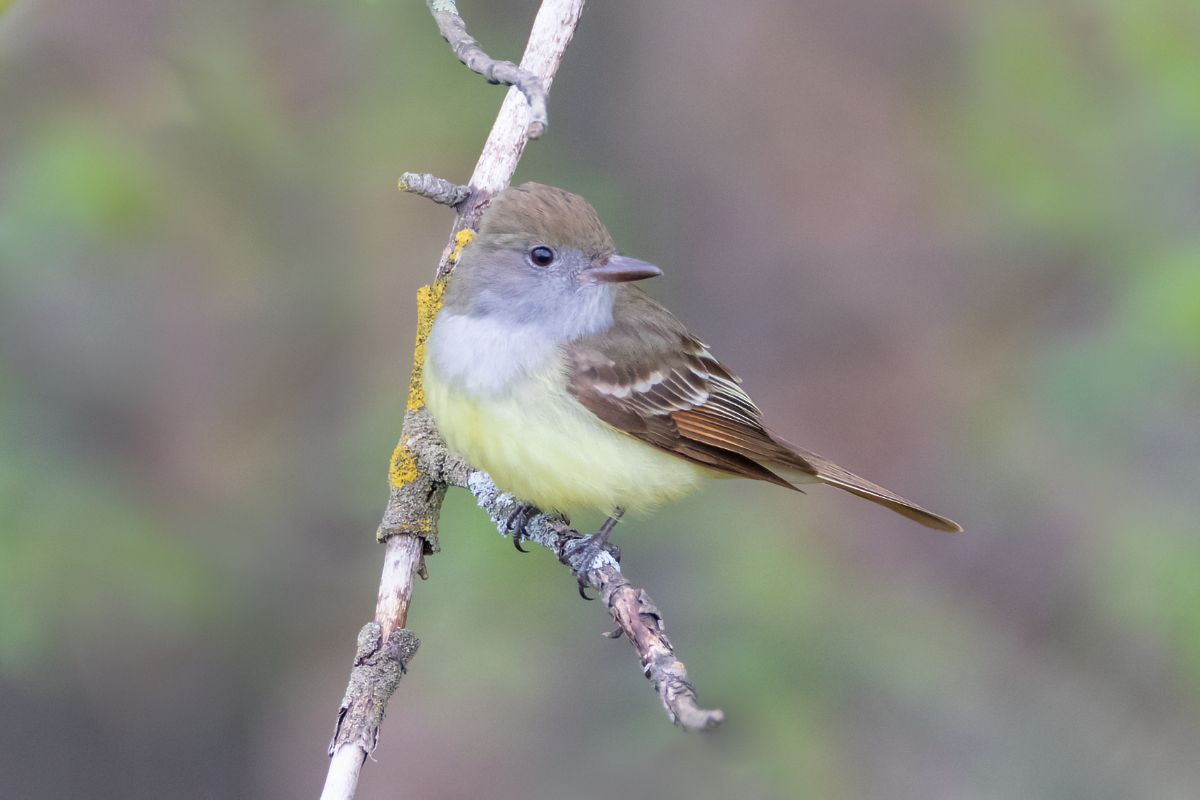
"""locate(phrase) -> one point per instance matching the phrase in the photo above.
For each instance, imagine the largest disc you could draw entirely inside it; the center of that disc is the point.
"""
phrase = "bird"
(548, 368)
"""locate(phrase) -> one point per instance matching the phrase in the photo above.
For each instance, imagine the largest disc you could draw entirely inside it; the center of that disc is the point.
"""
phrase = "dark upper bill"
(619, 269)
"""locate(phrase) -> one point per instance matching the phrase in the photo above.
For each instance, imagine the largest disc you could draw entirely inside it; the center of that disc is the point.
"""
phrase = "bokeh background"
(955, 246)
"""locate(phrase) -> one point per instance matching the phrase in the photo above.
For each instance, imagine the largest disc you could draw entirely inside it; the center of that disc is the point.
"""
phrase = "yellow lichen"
(461, 240)
(418, 527)
(429, 302)
(403, 467)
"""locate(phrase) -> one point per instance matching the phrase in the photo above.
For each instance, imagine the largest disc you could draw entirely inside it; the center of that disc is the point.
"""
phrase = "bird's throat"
(485, 353)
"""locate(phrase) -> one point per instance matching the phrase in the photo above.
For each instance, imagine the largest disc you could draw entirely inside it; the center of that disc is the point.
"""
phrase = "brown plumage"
(647, 376)
(539, 213)
(542, 292)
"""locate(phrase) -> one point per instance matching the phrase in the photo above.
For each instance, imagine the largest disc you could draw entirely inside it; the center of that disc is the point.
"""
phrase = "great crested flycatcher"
(574, 390)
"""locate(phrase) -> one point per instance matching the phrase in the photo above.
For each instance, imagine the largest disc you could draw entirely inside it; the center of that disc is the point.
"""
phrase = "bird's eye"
(541, 256)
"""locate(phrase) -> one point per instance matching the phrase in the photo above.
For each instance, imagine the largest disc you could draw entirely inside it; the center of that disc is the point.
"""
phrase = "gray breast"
(485, 355)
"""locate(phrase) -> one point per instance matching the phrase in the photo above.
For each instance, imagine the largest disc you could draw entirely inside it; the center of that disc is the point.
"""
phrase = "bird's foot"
(585, 551)
(518, 518)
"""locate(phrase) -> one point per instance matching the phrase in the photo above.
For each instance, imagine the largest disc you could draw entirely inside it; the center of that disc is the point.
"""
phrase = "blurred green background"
(955, 246)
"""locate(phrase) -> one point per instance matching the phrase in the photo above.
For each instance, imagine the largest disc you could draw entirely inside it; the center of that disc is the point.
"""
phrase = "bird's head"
(542, 255)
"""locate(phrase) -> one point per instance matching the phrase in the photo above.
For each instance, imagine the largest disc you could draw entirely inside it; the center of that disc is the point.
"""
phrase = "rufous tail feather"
(826, 471)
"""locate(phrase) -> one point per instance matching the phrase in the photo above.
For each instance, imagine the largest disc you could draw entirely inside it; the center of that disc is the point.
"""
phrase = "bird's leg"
(600, 537)
(518, 518)
(591, 547)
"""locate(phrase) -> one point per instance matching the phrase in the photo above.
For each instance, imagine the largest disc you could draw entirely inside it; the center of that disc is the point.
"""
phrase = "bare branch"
(384, 649)
(422, 468)
(636, 615)
(638, 618)
(431, 187)
(553, 29)
(379, 662)
(468, 51)
(409, 525)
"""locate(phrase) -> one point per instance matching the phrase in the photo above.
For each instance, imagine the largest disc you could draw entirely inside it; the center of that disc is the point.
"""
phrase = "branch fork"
(637, 617)
(422, 468)
(454, 30)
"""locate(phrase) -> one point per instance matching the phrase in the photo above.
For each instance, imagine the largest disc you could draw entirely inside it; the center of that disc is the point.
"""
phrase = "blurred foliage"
(963, 242)
(1091, 140)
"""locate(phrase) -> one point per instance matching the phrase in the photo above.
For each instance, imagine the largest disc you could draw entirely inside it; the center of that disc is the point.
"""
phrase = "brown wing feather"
(649, 378)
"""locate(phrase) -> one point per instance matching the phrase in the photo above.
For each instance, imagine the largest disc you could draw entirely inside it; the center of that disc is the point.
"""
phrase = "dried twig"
(468, 51)
(409, 525)
(422, 468)
(379, 663)
(431, 187)
(637, 617)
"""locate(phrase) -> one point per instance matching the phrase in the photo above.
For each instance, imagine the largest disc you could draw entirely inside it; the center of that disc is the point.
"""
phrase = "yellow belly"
(540, 444)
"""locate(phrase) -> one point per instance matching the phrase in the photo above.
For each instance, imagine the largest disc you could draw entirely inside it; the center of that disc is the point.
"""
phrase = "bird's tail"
(814, 467)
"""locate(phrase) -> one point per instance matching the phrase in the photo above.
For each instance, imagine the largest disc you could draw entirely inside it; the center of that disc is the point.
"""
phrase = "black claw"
(585, 549)
(518, 518)
(512, 515)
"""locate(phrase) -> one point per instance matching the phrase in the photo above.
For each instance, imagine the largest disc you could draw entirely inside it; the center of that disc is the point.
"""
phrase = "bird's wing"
(647, 376)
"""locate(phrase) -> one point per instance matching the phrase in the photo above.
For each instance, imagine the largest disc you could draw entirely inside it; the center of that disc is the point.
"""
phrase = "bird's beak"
(619, 269)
